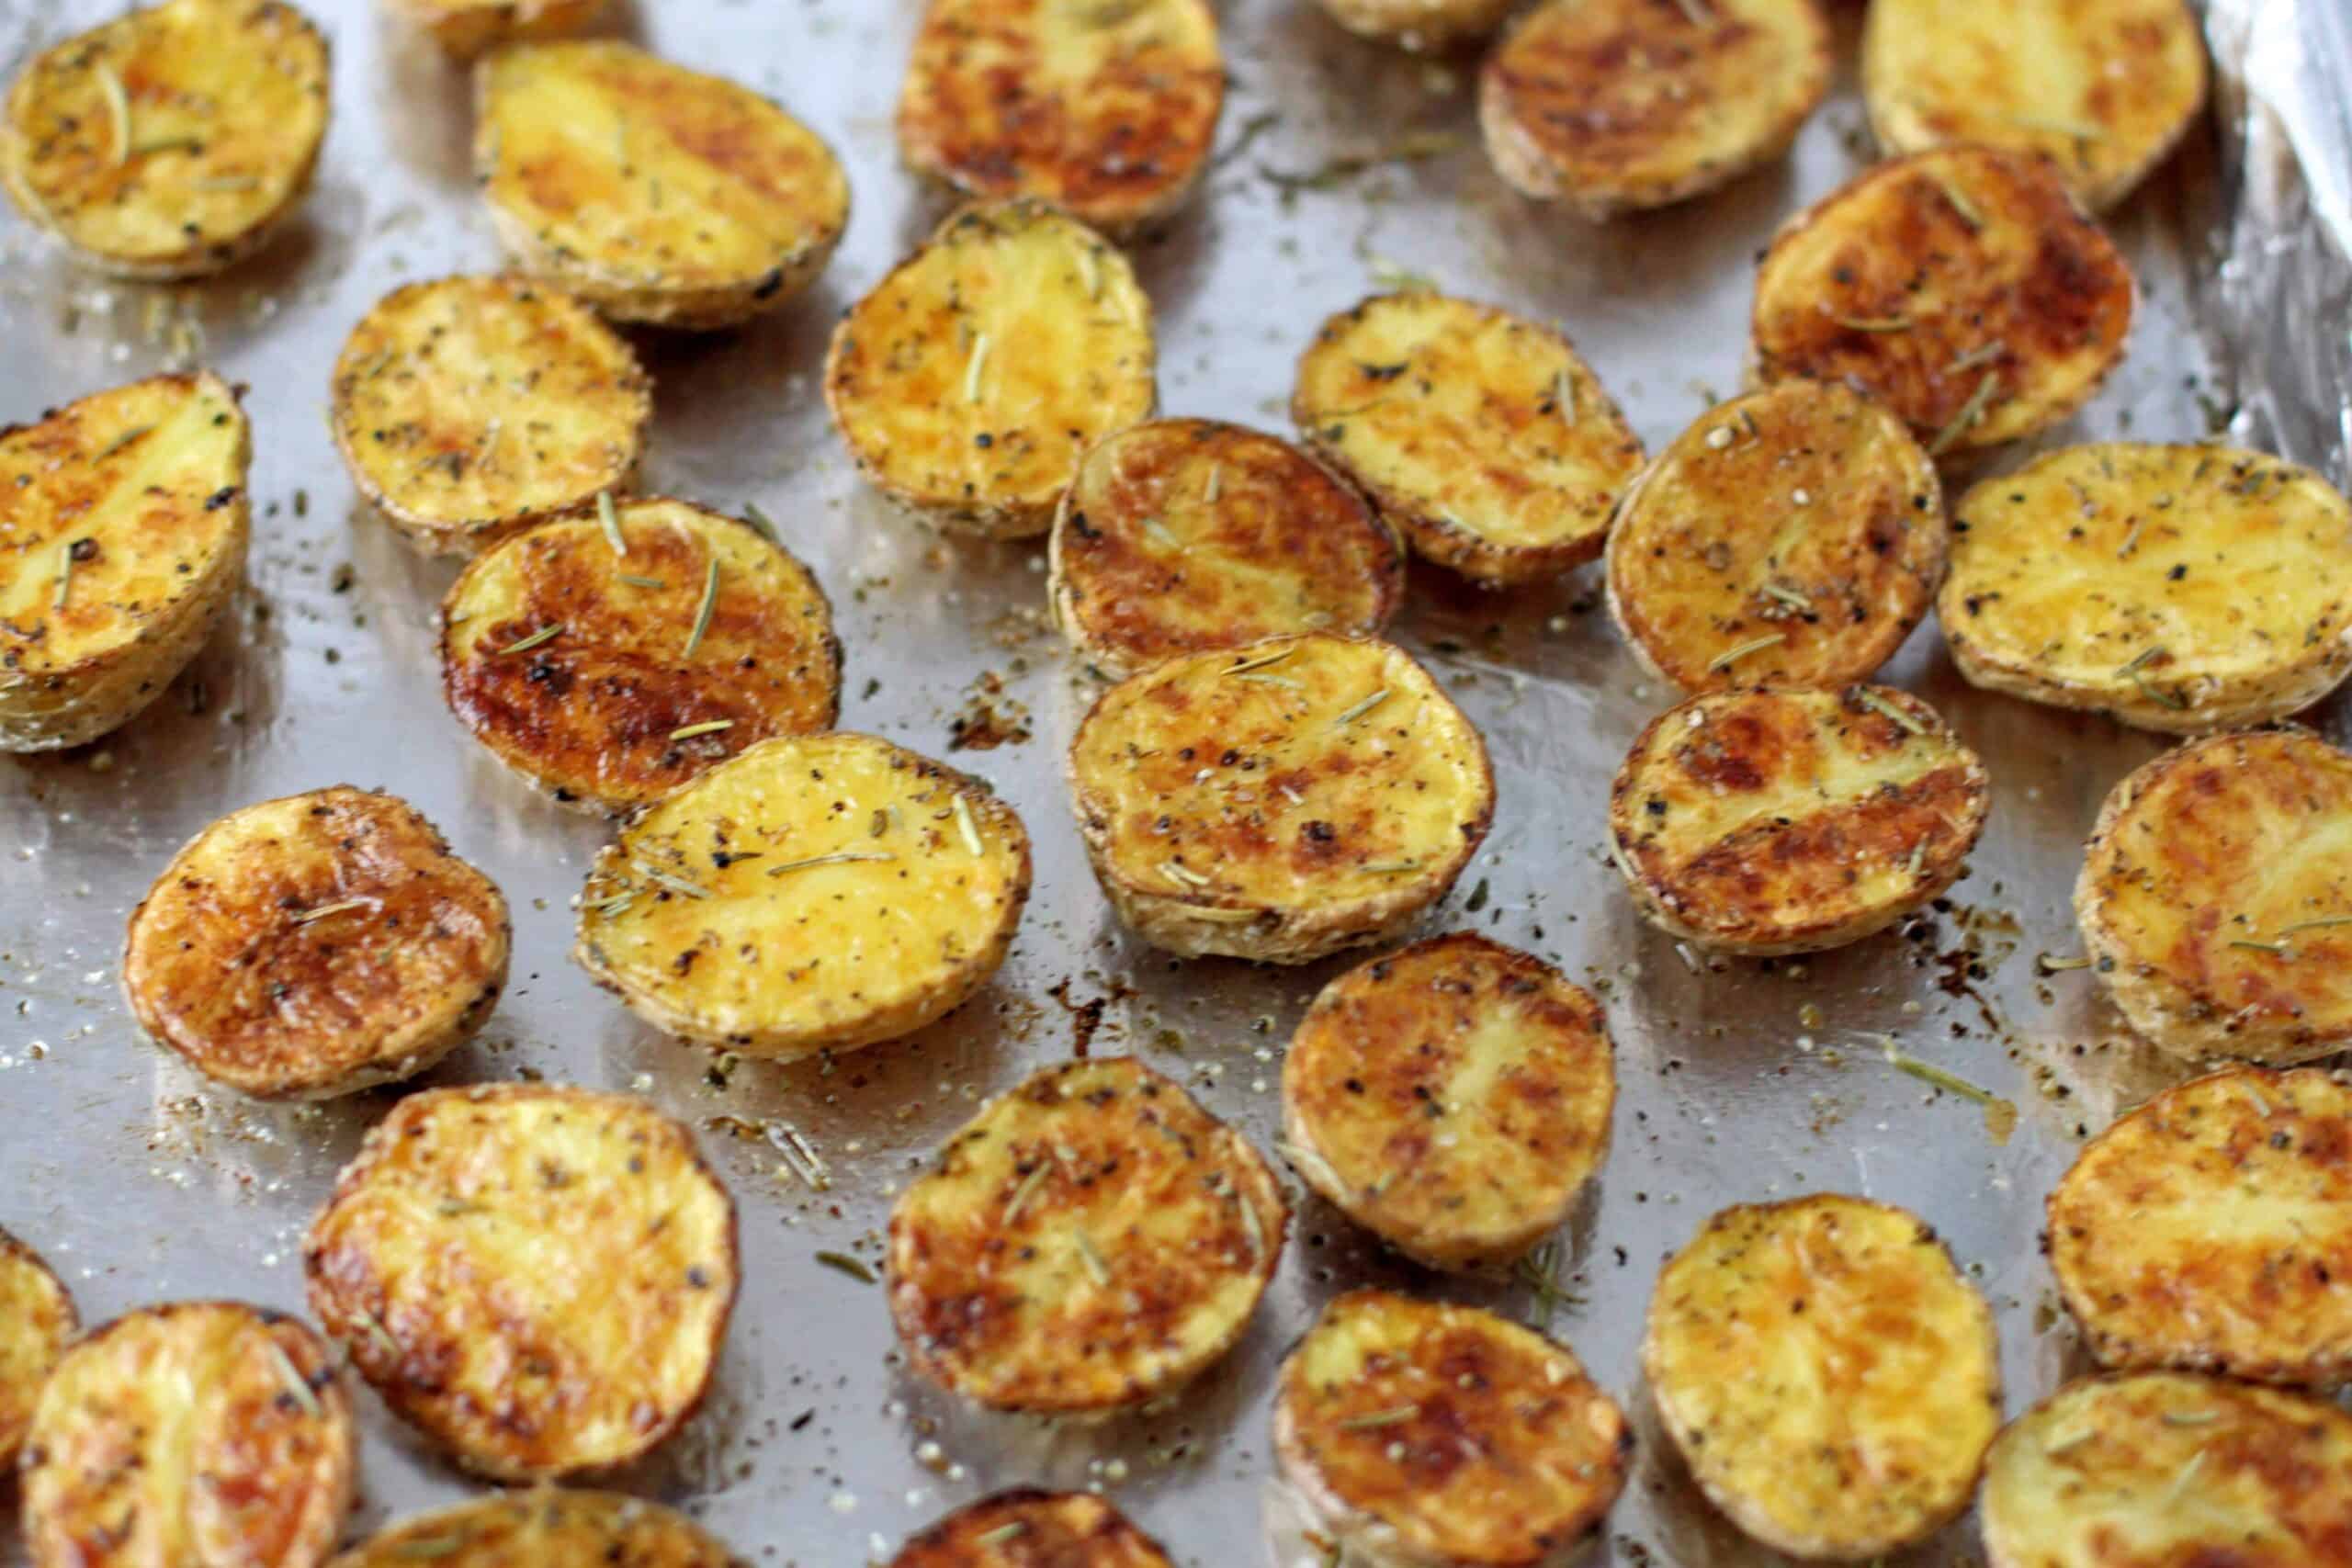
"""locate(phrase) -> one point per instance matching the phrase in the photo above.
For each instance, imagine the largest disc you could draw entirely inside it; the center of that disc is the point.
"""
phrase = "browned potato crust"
(1029, 1528)
(547, 1527)
(465, 29)
(36, 1317)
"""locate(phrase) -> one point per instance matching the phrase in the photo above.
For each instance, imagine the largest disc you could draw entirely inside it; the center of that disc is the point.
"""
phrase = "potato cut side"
(2207, 1230)
(1089, 1241)
(123, 522)
(171, 141)
(1792, 536)
(812, 893)
(2164, 1470)
(316, 945)
(1420, 24)
(607, 677)
(1830, 1379)
(1963, 286)
(1483, 435)
(655, 193)
(1444, 1435)
(199, 1433)
(1792, 819)
(2177, 588)
(1611, 105)
(470, 407)
(465, 29)
(970, 382)
(36, 1319)
(1105, 110)
(2104, 89)
(547, 1528)
(1454, 1098)
(1182, 534)
(1280, 801)
(538, 1278)
(1024, 1528)
(2214, 897)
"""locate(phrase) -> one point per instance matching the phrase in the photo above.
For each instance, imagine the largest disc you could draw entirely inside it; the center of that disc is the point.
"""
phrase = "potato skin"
(1067, 1529)
(243, 961)
(538, 1277)
(1420, 24)
(549, 1527)
(37, 1320)
(467, 28)
(176, 1434)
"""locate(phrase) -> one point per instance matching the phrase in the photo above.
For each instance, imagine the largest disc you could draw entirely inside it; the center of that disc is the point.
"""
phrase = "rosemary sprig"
(1788, 597)
(1373, 1420)
(1888, 711)
(763, 522)
(1732, 656)
(675, 884)
(608, 518)
(708, 606)
(1982, 354)
(1264, 661)
(1929, 1073)
(1027, 1190)
(839, 857)
(1357, 710)
(1272, 681)
(1969, 413)
(2324, 922)
(545, 634)
(636, 582)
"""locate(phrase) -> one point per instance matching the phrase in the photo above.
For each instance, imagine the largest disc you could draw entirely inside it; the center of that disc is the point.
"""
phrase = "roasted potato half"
(1089, 1241)
(609, 657)
(537, 1277)
(1027, 1528)
(316, 945)
(2182, 589)
(968, 382)
(2164, 1470)
(1182, 534)
(812, 893)
(1426, 1433)
(36, 1319)
(1420, 24)
(655, 193)
(1615, 105)
(199, 1434)
(1790, 819)
(171, 141)
(1484, 437)
(1830, 1379)
(1280, 801)
(551, 1527)
(123, 522)
(2214, 902)
(1453, 1098)
(1962, 287)
(1105, 110)
(1792, 536)
(2104, 89)
(2207, 1230)
(471, 407)
(465, 29)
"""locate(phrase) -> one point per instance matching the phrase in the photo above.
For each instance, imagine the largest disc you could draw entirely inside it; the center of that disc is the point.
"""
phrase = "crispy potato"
(1963, 286)
(36, 1319)
(465, 29)
(197, 1434)
(1830, 1379)
(2104, 89)
(1026, 1528)
(538, 1277)
(968, 382)
(1793, 820)
(2182, 589)
(1444, 1435)
(1453, 1098)
(813, 893)
(607, 680)
(2207, 1230)
(1482, 436)
(171, 141)
(1104, 107)
(1280, 801)
(1615, 105)
(2163, 1470)
(1792, 536)
(123, 522)
(655, 193)
(2213, 899)
(1089, 1241)
(554, 1527)
(1420, 24)
(1182, 534)
(470, 407)
(316, 945)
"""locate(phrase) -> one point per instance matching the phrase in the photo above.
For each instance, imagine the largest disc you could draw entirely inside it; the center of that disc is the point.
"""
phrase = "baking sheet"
(1740, 1080)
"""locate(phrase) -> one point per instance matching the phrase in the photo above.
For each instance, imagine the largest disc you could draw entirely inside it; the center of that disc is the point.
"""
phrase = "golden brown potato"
(124, 518)
(1446, 1436)
(1420, 24)
(1792, 536)
(1107, 110)
(1482, 436)
(1612, 104)
(655, 193)
(1182, 534)
(1453, 1098)
(465, 29)
(316, 945)
(36, 1318)
(197, 1434)
(171, 141)
(546, 1527)
(1963, 286)
(538, 1277)
(1028, 1529)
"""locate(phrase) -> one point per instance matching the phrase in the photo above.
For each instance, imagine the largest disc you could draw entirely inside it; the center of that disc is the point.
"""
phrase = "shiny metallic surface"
(1341, 165)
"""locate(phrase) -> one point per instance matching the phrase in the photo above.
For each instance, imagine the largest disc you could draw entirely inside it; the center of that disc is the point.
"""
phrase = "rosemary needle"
(544, 633)
(973, 371)
(340, 906)
(1263, 661)
(1090, 1258)
(609, 519)
(709, 604)
(117, 111)
(64, 575)
(297, 1385)
(1001, 1534)
(839, 857)
(843, 1263)
(1732, 656)
(1887, 710)
(636, 582)
(1395, 1415)
(1970, 412)
(967, 827)
(1360, 709)
(1026, 1190)
(709, 727)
